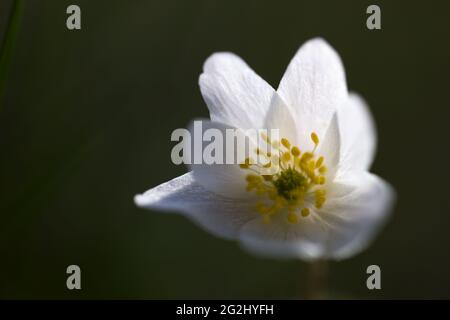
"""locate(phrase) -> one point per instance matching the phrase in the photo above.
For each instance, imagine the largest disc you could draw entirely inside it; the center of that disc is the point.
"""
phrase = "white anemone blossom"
(322, 203)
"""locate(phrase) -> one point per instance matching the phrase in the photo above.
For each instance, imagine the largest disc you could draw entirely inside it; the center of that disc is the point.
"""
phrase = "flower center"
(289, 181)
(286, 179)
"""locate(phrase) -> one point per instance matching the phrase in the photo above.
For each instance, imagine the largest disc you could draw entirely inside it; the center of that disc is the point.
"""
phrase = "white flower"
(323, 203)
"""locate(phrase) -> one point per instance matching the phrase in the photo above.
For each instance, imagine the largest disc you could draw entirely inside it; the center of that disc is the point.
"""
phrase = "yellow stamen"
(295, 151)
(323, 169)
(292, 218)
(305, 212)
(306, 156)
(286, 143)
(319, 162)
(320, 198)
(286, 157)
(315, 138)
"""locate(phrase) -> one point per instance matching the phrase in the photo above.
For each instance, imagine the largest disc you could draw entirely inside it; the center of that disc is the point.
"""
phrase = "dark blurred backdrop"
(85, 124)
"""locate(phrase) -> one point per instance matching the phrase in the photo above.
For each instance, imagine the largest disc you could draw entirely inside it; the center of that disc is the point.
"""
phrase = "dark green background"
(86, 120)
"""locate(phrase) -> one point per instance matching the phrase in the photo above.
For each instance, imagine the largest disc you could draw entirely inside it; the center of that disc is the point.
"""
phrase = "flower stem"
(8, 42)
(316, 281)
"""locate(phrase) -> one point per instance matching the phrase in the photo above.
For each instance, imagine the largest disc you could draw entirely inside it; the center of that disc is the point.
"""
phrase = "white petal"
(282, 239)
(329, 147)
(234, 93)
(224, 179)
(314, 85)
(356, 217)
(218, 215)
(358, 134)
(281, 117)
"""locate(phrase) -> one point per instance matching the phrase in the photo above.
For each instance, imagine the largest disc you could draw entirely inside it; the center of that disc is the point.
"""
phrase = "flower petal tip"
(139, 200)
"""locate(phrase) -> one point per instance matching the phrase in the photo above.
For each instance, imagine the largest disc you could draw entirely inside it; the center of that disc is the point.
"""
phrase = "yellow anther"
(315, 138)
(319, 162)
(295, 151)
(323, 169)
(320, 198)
(285, 142)
(320, 193)
(292, 218)
(267, 177)
(311, 165)
(322, 180)
(244, 166)
(286, 157)
(306, 156)
(305, 212)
